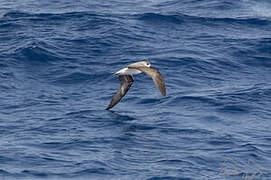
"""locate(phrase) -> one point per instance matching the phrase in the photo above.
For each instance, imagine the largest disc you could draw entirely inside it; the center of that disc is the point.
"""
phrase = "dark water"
(56, 65)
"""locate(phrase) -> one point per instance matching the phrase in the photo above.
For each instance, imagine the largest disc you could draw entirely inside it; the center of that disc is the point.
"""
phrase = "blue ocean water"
(56, 65)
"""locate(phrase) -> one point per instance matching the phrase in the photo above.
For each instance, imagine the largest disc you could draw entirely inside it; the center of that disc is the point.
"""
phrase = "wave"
(37, 53)
(157, 18)
(98, 19)
(94, 18)
(260, 8)
(50, 16)
(78, 78)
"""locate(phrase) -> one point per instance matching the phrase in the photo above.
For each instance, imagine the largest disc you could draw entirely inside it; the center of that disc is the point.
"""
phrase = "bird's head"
(140, 64)
(147, 63)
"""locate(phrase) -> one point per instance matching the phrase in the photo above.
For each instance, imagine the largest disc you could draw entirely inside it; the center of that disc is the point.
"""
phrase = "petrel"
(126, 79)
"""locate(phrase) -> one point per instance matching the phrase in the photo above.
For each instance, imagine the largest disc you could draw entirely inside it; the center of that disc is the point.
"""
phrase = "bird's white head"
(147, 63)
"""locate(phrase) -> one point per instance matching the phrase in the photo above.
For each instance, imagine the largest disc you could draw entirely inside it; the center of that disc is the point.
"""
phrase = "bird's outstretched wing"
(126, 82)
(155, 75)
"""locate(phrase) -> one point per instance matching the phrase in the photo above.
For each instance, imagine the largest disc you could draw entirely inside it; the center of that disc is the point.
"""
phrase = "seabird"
(126, 79)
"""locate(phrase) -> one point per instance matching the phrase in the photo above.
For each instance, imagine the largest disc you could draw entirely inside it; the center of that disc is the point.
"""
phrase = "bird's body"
(126, 79)
(127, 71)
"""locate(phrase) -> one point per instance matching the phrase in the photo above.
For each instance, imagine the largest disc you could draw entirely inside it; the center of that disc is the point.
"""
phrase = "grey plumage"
(126, 82)
(156, 77)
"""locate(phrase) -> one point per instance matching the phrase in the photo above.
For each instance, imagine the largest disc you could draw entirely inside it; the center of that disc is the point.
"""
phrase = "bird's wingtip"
(107, 108)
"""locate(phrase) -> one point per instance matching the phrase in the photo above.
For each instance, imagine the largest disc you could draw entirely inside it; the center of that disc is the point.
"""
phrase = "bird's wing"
(155, 75)
(126, 82)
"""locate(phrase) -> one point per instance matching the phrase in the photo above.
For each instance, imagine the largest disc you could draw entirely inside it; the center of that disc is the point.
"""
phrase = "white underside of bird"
(126, 71)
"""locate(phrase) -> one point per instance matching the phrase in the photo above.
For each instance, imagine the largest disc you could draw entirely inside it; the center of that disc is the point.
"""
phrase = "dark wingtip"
(108, 108)
(163, 90)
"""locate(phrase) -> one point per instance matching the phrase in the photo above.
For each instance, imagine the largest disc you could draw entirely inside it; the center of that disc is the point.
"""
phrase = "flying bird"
(126, 79)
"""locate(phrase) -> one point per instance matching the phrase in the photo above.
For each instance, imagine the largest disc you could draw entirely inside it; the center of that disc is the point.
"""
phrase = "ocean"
(56, 64)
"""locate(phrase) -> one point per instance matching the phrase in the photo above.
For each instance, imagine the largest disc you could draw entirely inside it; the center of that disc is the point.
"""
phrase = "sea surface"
(56, 65)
